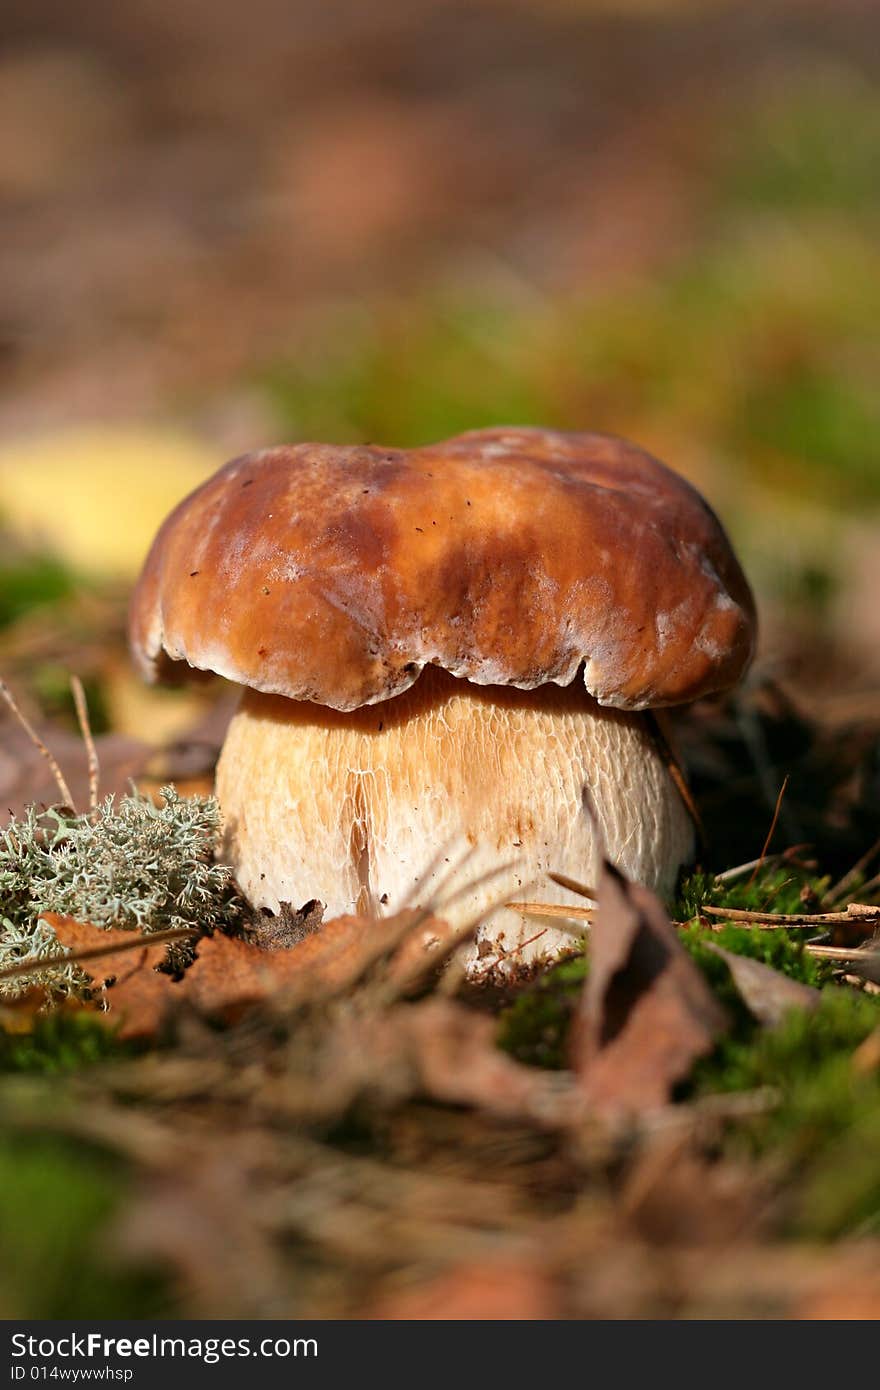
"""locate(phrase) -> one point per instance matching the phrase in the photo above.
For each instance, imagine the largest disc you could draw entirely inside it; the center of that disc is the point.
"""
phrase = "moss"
(411, 375)
(825, 1133)
(774, 889)
(58, 1198)
(534, 1028)
(795, 152)
(60, 1042)
(31, 581)
(50, 686)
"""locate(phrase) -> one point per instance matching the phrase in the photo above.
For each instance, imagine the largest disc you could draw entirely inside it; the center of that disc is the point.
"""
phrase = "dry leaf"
(647, 1013)
(230, 974)
(18, 1014)
(766, 993)
(459, 1063)
(139, 993)
(677, 1194)
(276, 931)
(437, 1049)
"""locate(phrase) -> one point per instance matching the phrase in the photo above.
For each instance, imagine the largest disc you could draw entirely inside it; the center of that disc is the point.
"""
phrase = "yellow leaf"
(95, 496)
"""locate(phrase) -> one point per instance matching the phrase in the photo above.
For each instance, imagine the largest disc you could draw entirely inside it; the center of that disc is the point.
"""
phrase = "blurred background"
(226, 226)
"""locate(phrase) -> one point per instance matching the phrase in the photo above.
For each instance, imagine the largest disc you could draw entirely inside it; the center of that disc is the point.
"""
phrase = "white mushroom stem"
(367, 809)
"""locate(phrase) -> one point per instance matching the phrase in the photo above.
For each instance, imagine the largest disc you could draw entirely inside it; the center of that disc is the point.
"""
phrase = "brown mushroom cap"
(506, 556)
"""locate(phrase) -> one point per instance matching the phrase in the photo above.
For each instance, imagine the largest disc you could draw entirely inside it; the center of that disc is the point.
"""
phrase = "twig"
(38, 743)
(82, 714)
(857, 911)
(856, 953)
(504, 953)
(35, 964)
(771, 831)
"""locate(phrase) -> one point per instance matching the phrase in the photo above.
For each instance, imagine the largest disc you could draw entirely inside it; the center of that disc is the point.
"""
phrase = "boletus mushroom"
(447, 645)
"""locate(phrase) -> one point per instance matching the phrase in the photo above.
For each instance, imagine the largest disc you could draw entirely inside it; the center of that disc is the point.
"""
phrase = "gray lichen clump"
(131, 864)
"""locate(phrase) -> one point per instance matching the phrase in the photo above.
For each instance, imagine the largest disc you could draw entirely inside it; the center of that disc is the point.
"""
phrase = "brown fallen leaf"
(274, 931)
(18, 1014)
(230, 975)
(436, 1049)
(766, 993)
(139, 992)
(458, 1062)
(646, 1014)
(678, 1193)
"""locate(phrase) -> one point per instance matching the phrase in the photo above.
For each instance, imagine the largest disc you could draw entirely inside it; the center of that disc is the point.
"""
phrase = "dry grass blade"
(443, 854)
(860, 961)
(772, 831)
(447, 946)
(573, 885)
(82, 714)
(57, 774)
(574, 914)
(439, 904)
(36, 964)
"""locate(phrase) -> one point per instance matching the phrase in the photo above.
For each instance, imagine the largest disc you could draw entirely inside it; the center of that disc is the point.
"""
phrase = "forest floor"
(316, 1131)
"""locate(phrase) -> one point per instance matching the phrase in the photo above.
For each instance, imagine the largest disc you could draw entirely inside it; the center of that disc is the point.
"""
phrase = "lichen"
(131, 864)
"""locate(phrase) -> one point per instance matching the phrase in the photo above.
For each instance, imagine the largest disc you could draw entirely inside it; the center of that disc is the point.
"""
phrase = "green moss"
(813, 141)
(57, 1200)
(50, 685)
(31, 581)
(826, 1128)
(534, 1028)
(781, 950)
(774, 889)
(824, 1134)
(410, 376)
(825, 416)
(60, 1042)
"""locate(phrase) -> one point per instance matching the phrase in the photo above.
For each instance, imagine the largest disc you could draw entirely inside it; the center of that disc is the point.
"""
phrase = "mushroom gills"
(370, 810)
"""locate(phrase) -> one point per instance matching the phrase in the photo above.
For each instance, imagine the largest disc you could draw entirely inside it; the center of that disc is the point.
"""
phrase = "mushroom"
(409, 628)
